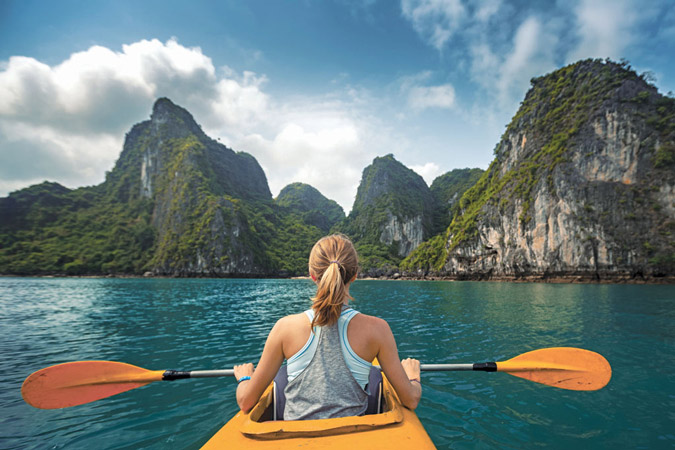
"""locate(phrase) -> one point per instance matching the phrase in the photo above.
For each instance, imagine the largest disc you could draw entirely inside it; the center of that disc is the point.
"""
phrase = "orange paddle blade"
(563, 367)
(76, 383)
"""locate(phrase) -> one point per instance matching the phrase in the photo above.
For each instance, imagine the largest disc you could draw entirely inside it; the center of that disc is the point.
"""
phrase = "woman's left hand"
(412, 368)
(243, 370)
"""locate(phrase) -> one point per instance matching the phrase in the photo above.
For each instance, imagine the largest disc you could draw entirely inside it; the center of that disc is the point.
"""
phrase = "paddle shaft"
(484, 367)
(171, 375)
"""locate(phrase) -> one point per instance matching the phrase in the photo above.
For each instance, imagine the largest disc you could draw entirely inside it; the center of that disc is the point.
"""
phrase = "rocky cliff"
(202, 193)
(176, 203)
(393, 213)
(582, 184)
(310, 206)
(447, 189)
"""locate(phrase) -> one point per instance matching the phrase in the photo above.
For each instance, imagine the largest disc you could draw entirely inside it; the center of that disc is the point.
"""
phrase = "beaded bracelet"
(244, 378)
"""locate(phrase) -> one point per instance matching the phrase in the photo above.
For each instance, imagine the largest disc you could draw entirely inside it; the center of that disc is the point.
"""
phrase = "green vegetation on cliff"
(179, 203)
(176, 203)
(310, 206)
(391, 200)
(51, 229)
(551, 126)
(430, 255)
(448, 189)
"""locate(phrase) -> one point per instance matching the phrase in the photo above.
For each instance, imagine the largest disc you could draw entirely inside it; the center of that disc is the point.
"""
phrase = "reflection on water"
(206, 324)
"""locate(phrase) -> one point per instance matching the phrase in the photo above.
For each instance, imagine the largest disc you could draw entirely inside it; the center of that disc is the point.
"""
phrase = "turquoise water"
(206, 324)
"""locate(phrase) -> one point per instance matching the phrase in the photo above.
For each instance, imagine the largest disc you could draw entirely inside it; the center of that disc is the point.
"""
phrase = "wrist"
(416, 380)
(244, 378)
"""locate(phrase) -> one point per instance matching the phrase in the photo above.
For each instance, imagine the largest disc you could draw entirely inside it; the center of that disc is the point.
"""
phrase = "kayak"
(394, 427)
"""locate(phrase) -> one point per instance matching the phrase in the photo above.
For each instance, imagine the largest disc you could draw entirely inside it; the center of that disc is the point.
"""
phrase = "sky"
(313, 89)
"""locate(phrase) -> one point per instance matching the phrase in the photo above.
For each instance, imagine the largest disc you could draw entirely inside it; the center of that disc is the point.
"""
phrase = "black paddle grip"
(170, 375)
(486, 366)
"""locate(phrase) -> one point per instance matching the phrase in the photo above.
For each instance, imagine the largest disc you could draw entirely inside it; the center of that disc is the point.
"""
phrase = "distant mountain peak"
(581, 184)
(164, 105)
(394, 211)
(164, 111)
(387, 177)
(311, 205)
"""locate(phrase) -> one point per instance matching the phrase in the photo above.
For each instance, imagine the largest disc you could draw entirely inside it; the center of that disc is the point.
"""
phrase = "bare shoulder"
(292, 332)
(368, 335)
(292, 322)
(375, 324)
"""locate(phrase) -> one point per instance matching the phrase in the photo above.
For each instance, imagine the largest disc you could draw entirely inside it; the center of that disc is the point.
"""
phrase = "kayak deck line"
(256, 425)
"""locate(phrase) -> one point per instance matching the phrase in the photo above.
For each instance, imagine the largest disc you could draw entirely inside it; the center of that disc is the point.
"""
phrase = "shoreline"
(556, 279)
(571, 279)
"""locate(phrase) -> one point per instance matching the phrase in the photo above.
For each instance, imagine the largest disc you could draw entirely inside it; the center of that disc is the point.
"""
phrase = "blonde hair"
(333, 263)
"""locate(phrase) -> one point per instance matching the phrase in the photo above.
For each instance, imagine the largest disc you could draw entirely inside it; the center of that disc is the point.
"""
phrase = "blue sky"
(313, 89)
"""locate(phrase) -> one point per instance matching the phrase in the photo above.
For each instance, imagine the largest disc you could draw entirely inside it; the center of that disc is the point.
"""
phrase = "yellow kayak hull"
(396, 427)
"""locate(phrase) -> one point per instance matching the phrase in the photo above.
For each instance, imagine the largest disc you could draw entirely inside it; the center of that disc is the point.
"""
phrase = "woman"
(329, 347)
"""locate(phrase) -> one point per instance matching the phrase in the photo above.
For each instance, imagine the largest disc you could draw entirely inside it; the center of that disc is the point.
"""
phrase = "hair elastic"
(336, 262)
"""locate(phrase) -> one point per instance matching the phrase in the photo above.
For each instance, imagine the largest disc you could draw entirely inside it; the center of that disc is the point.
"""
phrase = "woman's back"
(326, 386)
(361, 334)
(333, 265)
(359, 367)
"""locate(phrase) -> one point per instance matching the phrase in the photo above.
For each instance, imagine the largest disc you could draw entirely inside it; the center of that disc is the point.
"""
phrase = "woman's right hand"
(412, 368)
(243, 370)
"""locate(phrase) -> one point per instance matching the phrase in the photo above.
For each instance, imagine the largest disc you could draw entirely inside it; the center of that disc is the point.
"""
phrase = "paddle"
(562, 367)
(76, 383)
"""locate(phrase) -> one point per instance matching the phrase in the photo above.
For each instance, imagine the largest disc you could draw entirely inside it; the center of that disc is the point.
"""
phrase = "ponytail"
(334, 263)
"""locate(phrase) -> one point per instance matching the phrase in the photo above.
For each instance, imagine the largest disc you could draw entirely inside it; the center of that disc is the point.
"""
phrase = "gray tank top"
(326, 388)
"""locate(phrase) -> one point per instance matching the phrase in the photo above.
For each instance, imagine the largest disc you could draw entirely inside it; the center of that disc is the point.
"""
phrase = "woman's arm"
(399, 373)
(249, 391)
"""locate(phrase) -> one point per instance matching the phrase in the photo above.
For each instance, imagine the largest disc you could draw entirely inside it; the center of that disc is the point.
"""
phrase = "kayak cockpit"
(260, 423)
(393, 427)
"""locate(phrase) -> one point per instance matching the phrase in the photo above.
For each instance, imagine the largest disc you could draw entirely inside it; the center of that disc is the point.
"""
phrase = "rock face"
(196, 186)
(582, 184)
(310, 205)
(176, 203)
(406, 234)
(447, 189)
(393, 213)
(237, 174)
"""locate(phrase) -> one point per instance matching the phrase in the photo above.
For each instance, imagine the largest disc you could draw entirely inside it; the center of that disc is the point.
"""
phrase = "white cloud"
(435, 20)
(66, 122)
(410, 81)
(503, 70)
(533, 54)
(486, 9)
(423, 97)
(605, 28)
(499, 56)
(420, 95)
(74, 114)
(29, 151)
(239, 105)
(428, 171)
(321, 145)
(484, 64)
(88, 91)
